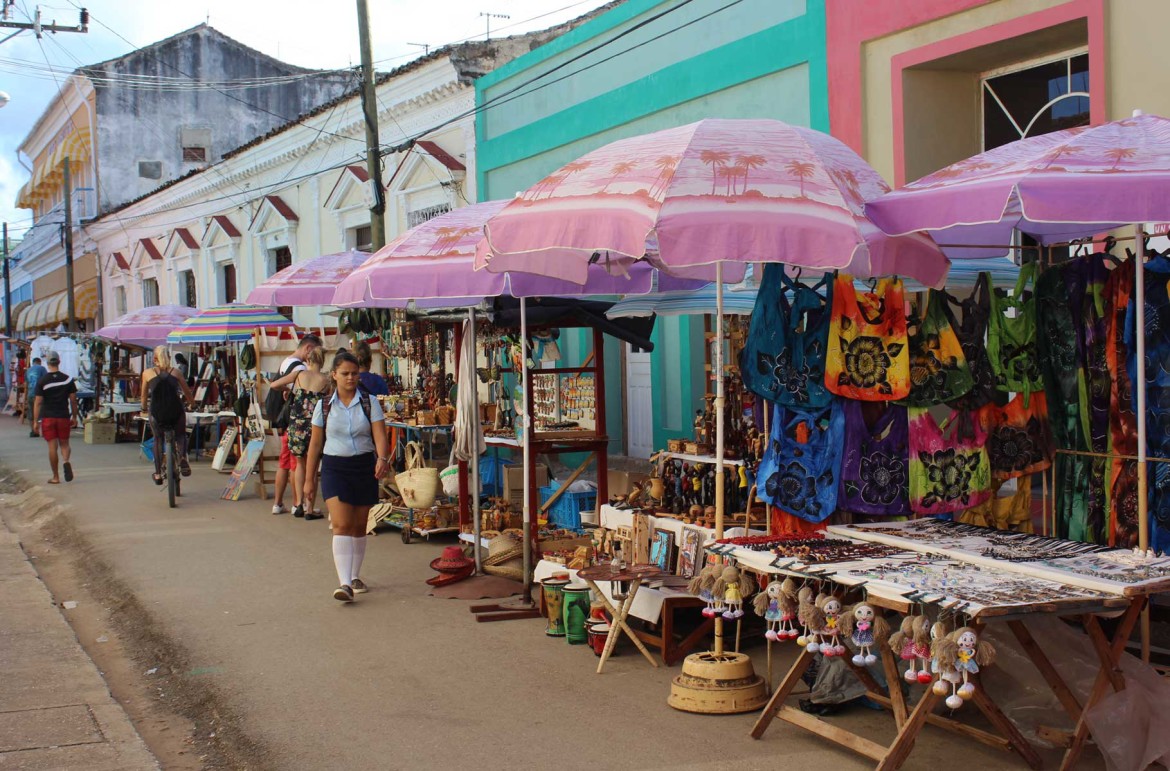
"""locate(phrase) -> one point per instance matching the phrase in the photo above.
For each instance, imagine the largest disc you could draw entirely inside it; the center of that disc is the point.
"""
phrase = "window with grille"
(149, 292)
(362, 238)
(420, 216)
(195, 144)
(1035, 100)
(194, 155)
(279, 259)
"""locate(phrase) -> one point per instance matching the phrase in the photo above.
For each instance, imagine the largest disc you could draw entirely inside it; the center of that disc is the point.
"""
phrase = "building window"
(278, 260)
(150, 169)
(361, 238)
(149, 292)
(1036, 99)
(194, 155)
(227, 283)
(187, 289)
(414, 218)
(120, 300)
(195, 144)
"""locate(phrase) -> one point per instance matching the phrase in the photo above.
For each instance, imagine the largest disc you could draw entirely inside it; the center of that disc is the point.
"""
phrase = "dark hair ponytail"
(341, 357)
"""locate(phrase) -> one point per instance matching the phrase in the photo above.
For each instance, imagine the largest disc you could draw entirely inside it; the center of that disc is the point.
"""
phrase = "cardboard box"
(514, 483)
(101, 433)
(624, 482)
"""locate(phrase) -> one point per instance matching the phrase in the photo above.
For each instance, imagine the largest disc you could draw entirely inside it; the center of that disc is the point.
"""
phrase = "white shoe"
(279, 509)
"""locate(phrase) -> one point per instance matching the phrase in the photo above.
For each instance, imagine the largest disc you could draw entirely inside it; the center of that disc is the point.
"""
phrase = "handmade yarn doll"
(828, 624)
(767, 604)
(869, 629)
(938, 632)
(912, 642)
(804, 604)
(701, 586)
(733, 586)
(963, 653)
(788, 600)
(814, 622)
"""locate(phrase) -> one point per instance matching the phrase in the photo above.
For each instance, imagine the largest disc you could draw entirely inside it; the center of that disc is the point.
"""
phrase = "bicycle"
(171, 471)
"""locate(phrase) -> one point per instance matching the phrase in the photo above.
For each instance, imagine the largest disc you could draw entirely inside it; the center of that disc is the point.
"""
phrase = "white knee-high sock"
(359, 553)
(343, 557)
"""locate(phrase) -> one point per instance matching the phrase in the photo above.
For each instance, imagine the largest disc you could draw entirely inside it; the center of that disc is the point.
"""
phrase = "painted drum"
(575, 612)
(554, 601)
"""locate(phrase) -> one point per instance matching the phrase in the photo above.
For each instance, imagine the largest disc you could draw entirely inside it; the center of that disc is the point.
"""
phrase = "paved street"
(397, 680)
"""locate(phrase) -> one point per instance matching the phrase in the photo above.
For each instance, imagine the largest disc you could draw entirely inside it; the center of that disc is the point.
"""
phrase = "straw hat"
(501, 549)
(513, 569)
(452, 561)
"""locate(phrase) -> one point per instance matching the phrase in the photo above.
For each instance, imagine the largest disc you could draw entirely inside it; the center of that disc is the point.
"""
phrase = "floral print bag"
(783, 359)
(868, 356)
(1018, 439)
(1011, 340)
(938, 366)
(947, 473)
(875, 462)
(800, 477)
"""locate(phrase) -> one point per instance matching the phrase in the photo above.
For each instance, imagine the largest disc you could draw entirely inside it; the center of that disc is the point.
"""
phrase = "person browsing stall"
(308, 386)
(370, 382)
(287, 464)
(55, 411)
(32, 376)
(349, 440)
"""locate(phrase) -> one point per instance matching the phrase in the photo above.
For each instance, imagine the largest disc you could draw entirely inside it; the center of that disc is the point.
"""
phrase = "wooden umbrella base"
(718, 684)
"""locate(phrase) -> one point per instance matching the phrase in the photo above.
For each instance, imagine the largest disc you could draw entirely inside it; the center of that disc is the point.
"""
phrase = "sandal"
(185, 468)
(158, 479)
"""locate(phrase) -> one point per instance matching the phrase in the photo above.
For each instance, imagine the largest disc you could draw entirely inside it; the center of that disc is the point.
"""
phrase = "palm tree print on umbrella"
(666, 166)
(618, 169)
(1119, 154)
(802, 170)
(717, 160)
(748, 162)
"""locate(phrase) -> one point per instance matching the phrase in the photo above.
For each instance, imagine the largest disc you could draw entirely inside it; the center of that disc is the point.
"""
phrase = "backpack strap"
(365, 398)
(327, 404)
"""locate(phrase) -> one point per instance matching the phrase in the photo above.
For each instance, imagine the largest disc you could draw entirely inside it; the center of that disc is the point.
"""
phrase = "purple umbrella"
(1054, 187)
(147, 327)
(311, 282)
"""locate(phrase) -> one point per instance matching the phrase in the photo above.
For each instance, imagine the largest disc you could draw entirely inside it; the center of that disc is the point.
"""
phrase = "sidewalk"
(55, 709)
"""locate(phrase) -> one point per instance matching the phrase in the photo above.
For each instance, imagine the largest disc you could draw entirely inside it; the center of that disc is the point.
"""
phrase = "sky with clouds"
(309, 34)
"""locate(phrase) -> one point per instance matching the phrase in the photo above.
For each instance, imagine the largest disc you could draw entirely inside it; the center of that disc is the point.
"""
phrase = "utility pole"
(40, 28)
(69, 245)
(370, 112)
(7, 288)
(489, 17)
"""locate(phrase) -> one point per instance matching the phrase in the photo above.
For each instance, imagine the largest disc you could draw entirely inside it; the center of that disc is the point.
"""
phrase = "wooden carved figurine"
(733, 586)
(869, 629)
(962, 652)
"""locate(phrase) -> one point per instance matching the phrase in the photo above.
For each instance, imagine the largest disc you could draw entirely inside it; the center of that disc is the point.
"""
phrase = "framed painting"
(661, 549)
(690, 552)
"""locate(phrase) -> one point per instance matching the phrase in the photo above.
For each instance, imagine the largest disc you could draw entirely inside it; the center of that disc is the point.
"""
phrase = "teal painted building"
(643, 66)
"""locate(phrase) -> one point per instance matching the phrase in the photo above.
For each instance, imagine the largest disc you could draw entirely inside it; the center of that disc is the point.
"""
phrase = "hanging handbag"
(875, 461)
(938, 366)
(1011, 340)
(419, 484)
(798, 473)
(947, 473)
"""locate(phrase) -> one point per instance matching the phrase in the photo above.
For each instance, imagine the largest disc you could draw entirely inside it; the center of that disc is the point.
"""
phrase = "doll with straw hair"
(963, 653)
(733, 586)
(869, 629)
(701, 586)
(828, 624)
(804, 603)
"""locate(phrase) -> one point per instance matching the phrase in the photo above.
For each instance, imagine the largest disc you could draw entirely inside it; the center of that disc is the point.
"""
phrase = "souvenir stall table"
(985, 575)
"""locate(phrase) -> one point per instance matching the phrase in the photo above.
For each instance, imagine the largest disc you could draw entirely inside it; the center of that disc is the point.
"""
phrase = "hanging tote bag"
(798, 473)
(971, 330)
(868, 357)
(419, 484)
(938, 366)
(1018, 439)
(875, 460)
(783, 359)
(1011, 341)
(947, 473)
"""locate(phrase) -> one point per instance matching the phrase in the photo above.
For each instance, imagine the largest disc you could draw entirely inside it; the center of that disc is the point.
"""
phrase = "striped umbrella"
(308, 283)
(230, 323)
(146, 327)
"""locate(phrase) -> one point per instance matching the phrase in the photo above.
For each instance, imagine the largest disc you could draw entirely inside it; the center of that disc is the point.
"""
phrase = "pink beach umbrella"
(1054, 187)
(715, 191)
(147, 327)
(311, 282)
(433, 264)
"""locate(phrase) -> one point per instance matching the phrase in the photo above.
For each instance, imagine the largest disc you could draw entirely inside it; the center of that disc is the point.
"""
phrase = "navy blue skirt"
(350, 479)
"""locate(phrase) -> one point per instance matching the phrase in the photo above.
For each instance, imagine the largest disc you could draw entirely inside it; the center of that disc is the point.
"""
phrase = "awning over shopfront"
(77, 147)
(54, 309)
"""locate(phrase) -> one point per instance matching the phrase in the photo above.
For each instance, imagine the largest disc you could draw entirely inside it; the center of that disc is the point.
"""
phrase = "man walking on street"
(55, 411)
(31, 377)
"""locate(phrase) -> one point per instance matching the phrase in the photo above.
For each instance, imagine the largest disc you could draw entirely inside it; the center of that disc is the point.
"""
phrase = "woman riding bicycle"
(157, 403)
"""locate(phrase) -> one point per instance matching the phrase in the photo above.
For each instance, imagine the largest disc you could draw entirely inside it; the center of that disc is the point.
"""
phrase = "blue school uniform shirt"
(348, 433)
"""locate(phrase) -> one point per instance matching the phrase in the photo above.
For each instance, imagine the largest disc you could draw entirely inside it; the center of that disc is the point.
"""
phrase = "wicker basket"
(419, 484)
(445, 415)
(425, 418)
(676, 445)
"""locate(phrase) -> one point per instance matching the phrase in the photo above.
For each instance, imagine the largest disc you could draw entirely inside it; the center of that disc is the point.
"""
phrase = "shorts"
(56, 428)
(350, 479)
(287, 461)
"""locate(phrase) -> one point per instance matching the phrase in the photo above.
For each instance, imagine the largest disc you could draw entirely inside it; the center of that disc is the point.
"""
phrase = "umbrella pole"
(1139, 286)
(526, 430)
(719, 475)
(475, 524)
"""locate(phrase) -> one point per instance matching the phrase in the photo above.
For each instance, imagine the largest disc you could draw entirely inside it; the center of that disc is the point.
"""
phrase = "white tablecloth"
(647, 605)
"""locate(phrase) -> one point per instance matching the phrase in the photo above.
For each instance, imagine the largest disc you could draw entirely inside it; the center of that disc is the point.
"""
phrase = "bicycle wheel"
(172, 471)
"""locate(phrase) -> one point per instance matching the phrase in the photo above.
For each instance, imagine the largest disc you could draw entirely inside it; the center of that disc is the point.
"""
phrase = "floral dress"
(1018, 441)
(300, 417)
(868, 356)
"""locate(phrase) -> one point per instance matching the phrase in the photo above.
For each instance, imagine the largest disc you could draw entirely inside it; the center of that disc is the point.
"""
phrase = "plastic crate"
(566, 512)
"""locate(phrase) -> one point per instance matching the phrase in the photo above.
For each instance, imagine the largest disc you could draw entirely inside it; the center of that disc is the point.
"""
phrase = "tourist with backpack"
(165, 397)
(349, 440)
(277, 407)
(55, 411)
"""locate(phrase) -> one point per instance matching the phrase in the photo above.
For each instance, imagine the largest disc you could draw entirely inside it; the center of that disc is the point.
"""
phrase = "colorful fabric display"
(783, 359)
(875, 461)
(868, 357)
(938, 367)
(971, 330)
(800, 477)
(949, 467)
(1123, 491)
(1011, 341)
(1018, 440)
